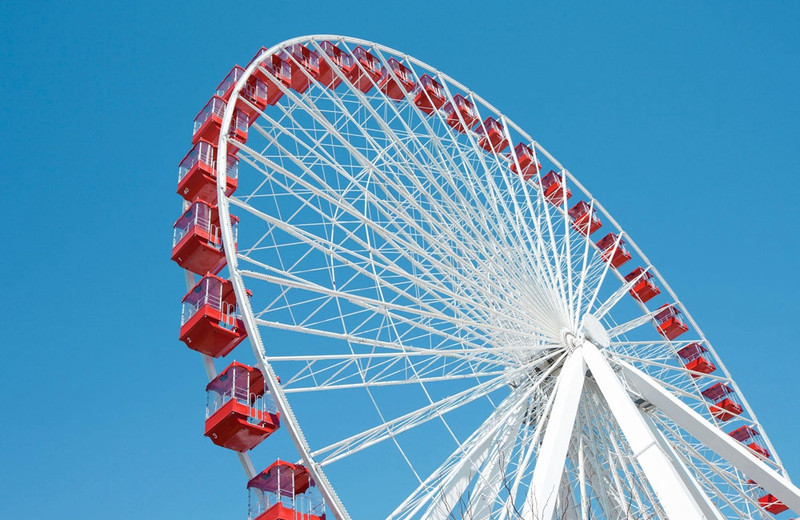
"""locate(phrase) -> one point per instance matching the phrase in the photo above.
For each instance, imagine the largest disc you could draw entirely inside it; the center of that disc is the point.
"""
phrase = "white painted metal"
(543, 492)
(595, 332)
(582, 481)
(689, 481)
(714, 438)
(661, 474)
(449, 502)
(490, 480)
(440, 488)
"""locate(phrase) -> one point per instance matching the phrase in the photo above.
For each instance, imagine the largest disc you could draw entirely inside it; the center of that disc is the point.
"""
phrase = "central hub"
(590, 330)
(595, 332)
(570, 340)
(541, 360)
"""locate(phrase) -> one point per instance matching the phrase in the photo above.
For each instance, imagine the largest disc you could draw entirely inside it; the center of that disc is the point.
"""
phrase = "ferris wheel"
(429, 293)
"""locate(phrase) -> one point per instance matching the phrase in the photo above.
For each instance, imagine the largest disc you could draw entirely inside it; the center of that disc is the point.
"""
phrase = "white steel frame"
(583, 431)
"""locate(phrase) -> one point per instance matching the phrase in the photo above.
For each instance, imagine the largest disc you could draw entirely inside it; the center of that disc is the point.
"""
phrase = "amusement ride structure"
(421, 282)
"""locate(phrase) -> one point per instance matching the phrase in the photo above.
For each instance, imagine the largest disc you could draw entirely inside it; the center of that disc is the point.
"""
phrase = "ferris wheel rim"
(295, 431)
(248, 315)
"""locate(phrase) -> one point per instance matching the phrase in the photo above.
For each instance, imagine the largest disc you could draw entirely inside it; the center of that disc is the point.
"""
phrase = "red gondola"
(746, 433)
(428, 95)
(240, 413)
(669, 323)
(341, 60)
(285, 491)
(694, 359)
(210, 321)
(273, 72)
(584, 218)
(723, 406)
(397, 79)
(303, 66)
(197, 174)
(611, 246)
(772, 504)
(645, 288)
(460, 109)
(366, 71)
(759, 449)
(554, 188)
(254, 91)
(528, 166)
(196, 240)
(208, 123)
(491, 135)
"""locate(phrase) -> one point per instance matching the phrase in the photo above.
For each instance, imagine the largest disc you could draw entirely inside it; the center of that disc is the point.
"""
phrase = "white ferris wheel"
(422, 282)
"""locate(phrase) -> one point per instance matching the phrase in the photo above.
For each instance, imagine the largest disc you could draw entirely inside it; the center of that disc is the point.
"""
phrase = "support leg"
(543, 493)
(675, 499)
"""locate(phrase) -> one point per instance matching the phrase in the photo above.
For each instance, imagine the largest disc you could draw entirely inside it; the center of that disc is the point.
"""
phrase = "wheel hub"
(594, 331)
(570, 340)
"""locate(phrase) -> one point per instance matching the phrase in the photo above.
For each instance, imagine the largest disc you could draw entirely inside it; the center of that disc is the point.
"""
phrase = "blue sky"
(681, 118)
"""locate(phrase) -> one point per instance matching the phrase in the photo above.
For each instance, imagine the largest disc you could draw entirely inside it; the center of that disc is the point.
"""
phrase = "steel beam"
(543, 493)
(674, 497)
(721, 443)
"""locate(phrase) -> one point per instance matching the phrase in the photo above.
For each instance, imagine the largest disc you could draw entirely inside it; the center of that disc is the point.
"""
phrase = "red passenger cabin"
(366, 71)
(254, 92)
(397, 79)
(303, 66)
(746, 433)
(554, 188)
(341, 60)
(612, 247)
(669, 323)
(208, 124)
(584, 218)
(723, 407)
(273, 71)
(210, 322)
(429, 94)
(240, 413)
(523, 155)
(196, 240)
(695, 359)
(644, 288)
(197, 174)
(461, 109)
(285, 491)
(769, 501)
(772, 504)
(491, 135)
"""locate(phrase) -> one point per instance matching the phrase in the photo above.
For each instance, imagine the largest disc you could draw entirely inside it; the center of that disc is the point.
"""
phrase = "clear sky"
(680, 117)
